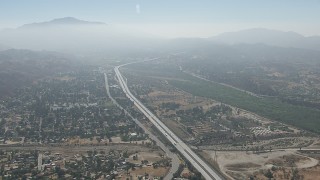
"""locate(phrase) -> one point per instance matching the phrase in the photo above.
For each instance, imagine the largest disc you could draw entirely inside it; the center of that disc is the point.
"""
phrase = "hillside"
(76, 36)
(269, 37)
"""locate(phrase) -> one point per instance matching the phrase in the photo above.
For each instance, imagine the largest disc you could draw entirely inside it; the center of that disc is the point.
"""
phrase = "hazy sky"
(172, 17)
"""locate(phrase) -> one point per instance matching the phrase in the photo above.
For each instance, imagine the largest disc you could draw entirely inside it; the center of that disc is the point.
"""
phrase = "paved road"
(174, 158)
(206, 171)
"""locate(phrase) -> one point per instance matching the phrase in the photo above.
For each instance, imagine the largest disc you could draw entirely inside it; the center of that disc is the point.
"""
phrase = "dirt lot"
(158, 172)
(72, 150)
(64, 78)
(185, 99)
(239, 164)
(93, 141)
(150, 157)
(310, 173)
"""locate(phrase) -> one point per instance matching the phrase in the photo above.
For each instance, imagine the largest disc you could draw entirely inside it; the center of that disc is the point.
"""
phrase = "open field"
(70, 150)
(206, 128)
(242, 165)
(139, 172)
(272, 108)
(306, 118)
(150, 158)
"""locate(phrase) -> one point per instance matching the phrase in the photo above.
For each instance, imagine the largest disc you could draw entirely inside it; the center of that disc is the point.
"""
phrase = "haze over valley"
(159, 90)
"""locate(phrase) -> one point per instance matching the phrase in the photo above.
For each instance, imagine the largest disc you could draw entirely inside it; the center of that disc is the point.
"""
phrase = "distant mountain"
(76, 36)
(215, 52)
(61, 21)
(81, 37)
(269, 37)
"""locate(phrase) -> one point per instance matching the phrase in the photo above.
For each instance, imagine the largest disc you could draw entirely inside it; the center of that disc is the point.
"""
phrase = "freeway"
(206, 171)
(174, 158)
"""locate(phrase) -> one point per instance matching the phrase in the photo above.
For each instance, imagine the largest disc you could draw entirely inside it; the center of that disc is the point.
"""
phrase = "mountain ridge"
(62, 21)
(69, 34)
(269, 37)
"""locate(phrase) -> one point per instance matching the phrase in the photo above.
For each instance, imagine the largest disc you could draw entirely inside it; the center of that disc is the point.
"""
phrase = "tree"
(2, 169)
(268, 174)
(89, 153)
(59, 172)
(135, 157)
(125, 154)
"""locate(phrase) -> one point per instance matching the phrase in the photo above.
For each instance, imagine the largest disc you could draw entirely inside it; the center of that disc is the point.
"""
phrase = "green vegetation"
(273, 108)
(306, 118)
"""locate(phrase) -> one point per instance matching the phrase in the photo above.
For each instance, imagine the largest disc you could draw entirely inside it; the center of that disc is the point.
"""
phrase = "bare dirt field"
(186, 100)
(310, 173)
(150, 157)
(138, 172)
(240, 164)
(72, 150)
(94, 141)
(64, 78)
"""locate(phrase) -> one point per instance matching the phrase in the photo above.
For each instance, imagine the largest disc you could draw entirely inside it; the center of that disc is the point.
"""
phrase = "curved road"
(206, 171)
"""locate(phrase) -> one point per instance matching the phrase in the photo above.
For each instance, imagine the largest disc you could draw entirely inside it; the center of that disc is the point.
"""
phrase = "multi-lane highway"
(206, 171)
(174, 158)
